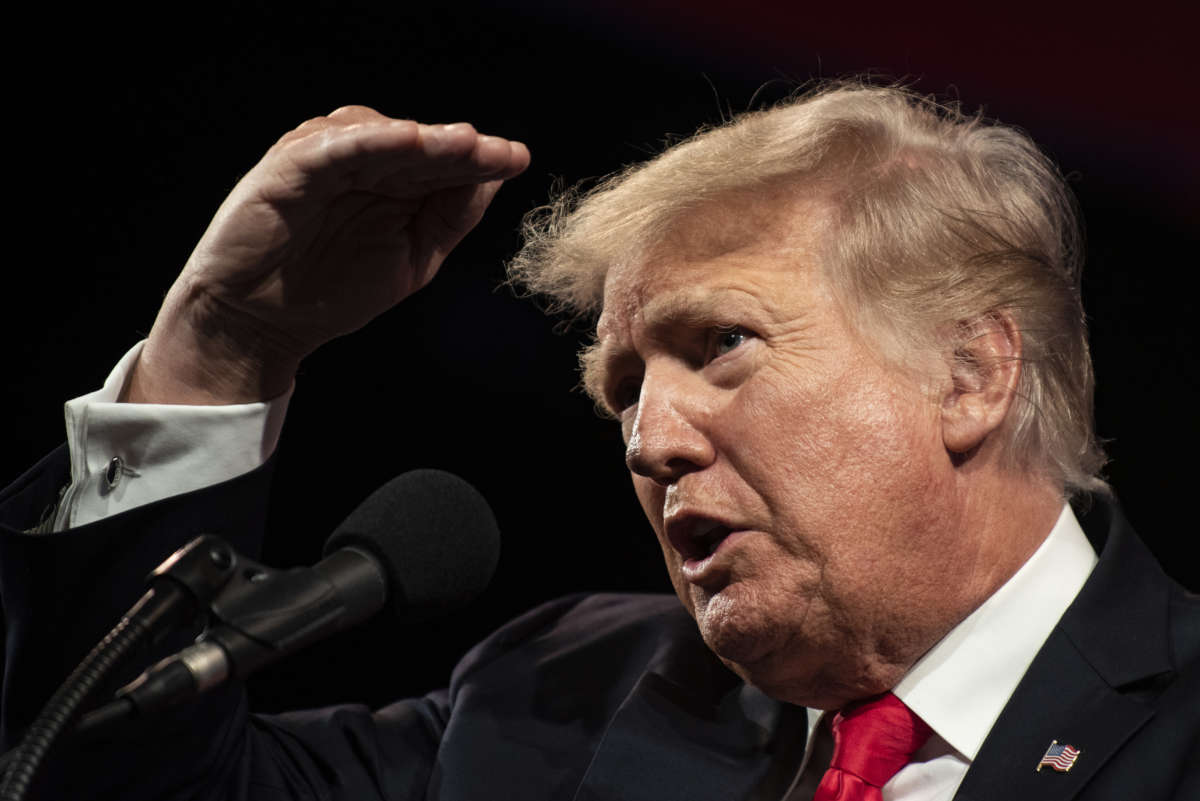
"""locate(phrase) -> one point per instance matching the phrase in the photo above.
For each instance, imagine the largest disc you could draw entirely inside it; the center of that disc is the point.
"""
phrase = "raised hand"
(343, 218)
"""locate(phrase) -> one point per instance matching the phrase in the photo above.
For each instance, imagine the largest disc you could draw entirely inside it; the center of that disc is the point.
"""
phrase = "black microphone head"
(433, 534)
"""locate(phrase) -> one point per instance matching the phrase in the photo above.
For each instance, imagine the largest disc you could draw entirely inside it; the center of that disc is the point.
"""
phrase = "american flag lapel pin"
(1059, 757)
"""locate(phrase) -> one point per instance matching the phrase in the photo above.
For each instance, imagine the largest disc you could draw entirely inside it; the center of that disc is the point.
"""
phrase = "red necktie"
(871, 742)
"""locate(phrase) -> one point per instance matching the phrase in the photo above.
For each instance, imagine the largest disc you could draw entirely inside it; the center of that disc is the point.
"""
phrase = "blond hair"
(940, 221)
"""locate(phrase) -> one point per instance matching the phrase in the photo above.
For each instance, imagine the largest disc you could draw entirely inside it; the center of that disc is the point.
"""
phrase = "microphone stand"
(259, 616)
(181, 588)
(255, 614)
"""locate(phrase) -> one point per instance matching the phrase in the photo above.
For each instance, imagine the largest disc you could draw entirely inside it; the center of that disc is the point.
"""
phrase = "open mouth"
(707, 541)
(699, 539)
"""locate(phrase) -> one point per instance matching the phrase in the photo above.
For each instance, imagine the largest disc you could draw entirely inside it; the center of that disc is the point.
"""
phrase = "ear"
(984, 371)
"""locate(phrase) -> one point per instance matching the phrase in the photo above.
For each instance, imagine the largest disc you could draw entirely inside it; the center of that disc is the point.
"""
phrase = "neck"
(1010, 516)
(1000, 523)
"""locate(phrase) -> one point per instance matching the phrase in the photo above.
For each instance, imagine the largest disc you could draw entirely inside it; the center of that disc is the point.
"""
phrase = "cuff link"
(115, 470)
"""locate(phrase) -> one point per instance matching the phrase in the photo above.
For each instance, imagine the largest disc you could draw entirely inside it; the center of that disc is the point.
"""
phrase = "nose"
(666, 439)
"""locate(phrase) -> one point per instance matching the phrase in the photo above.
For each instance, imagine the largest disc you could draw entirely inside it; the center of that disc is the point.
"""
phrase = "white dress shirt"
(959, 687)
(160, 449)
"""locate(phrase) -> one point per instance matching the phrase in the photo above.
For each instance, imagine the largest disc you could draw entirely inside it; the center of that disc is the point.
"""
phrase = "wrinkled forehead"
(721, 246)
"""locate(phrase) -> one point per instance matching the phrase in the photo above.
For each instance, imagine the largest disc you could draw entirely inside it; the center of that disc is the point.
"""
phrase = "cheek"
(852, 462)
(854, 423)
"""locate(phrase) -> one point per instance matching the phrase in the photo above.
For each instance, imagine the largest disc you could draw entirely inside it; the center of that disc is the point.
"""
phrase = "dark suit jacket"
(589, 697)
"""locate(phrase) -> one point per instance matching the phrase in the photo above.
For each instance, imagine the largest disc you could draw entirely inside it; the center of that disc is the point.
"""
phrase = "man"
(844, 342)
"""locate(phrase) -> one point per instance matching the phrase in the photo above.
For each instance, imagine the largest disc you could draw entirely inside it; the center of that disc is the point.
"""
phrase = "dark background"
(126, 133)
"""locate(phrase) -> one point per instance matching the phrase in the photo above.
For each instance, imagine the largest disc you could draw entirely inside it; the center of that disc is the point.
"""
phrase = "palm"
(322, 236)
(343, 218)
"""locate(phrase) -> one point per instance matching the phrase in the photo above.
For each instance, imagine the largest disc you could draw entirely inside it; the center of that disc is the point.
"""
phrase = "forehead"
(715, 263)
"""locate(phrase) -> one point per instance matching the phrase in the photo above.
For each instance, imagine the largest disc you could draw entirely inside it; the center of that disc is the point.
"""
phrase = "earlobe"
(984, 370)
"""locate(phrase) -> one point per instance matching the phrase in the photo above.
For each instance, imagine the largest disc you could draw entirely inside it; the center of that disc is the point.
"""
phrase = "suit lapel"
(699, 742)
(1060, 699)
(1114, 635)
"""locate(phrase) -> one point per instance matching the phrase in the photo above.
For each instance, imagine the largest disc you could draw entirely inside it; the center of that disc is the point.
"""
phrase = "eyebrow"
(692, 309)
(689, 308)
(592, 364)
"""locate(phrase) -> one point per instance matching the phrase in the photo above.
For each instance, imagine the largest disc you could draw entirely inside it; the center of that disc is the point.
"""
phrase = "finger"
(398, 158)
(349, 115)
(356, 132)
(447, 156)
(492, 155)
(511, 158)
(338, 118)
(438, 140)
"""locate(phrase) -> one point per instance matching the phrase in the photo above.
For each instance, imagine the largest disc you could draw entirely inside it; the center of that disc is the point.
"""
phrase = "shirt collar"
(961, 685)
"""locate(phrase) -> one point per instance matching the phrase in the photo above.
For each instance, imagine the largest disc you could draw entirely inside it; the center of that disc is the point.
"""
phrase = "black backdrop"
(127, 133)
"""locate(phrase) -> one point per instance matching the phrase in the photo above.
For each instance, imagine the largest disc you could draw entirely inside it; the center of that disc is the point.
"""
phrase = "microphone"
(426, 541)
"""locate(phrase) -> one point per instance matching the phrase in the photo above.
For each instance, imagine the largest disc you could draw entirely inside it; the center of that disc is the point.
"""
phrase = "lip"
(691, 534)
(688, 530)
(706, 569)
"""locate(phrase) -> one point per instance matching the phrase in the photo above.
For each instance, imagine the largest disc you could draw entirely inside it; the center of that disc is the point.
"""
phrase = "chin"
(766, 652)
(737, 630)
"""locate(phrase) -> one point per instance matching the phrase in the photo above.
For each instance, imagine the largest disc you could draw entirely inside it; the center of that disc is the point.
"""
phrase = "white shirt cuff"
(125, 455)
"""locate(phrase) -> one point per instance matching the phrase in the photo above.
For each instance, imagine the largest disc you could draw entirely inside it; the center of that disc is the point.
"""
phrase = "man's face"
(799, 487)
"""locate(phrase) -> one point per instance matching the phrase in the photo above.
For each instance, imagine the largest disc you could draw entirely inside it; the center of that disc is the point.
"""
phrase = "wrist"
(203, 352)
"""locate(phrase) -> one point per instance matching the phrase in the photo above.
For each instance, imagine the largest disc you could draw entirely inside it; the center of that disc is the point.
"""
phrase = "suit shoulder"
(584, 626)
(600, 614)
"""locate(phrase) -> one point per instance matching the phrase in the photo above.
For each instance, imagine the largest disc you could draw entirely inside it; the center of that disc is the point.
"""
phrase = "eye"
(726, 339)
